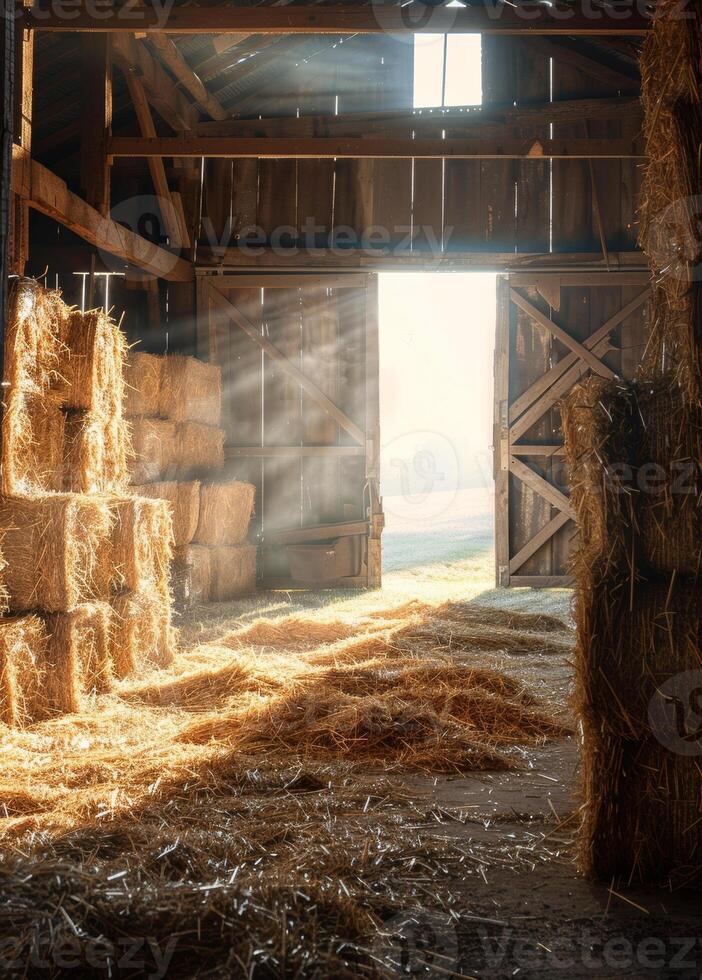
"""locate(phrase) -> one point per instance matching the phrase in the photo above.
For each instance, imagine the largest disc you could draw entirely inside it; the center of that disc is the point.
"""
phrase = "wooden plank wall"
(450, 205)
(322, 330)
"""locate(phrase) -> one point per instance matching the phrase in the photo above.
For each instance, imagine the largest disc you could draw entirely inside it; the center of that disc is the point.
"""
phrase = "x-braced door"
(552, 330)
(299, 359)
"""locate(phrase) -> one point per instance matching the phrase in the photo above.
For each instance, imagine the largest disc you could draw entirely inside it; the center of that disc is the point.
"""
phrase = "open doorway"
(436, 334)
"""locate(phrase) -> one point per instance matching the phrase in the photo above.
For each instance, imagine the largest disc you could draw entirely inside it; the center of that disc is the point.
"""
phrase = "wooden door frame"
(210, 298)
(514, 417)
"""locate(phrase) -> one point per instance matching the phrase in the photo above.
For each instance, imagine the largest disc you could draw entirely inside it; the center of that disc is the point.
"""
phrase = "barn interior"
(282, 695)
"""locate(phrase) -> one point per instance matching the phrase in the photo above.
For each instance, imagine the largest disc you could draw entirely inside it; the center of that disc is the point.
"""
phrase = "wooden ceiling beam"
(492, 119)
(163, 95)
(47, 193)
(175, 62)
(415, 17)
(323, 148)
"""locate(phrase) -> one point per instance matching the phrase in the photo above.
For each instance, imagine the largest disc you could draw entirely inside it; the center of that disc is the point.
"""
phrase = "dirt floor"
(254, 866)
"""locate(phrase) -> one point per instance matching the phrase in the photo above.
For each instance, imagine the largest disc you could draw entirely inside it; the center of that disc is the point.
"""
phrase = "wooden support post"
(96, 119)
(7, 106)
(24, 70)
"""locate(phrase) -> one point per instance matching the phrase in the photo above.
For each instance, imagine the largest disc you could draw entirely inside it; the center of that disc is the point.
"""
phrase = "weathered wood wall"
(325, 328)
(528, 436)
(453, 205)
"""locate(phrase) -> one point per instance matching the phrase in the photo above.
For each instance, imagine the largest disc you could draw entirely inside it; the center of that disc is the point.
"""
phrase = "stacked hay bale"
(175, 403)
(635, 457)
(71, 537)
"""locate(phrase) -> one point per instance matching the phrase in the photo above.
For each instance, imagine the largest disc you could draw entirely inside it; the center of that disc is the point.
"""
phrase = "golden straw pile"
(242, 806)
(635, 458)
(175, 403)
(399, 692)
(75, 545)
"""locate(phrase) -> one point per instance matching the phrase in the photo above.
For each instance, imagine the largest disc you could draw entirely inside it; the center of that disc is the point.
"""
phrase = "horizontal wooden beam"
(320, 532)
(454, 121)
(367, 258)
(371, 148)
(493, 18)
(47, 193)
(541, 581)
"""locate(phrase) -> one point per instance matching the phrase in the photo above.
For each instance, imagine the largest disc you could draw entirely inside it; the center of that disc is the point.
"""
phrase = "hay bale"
(142, 384)
(634, 453)
(154, 450)
(668, 479)
(200, 450)
(190, 391)
(225, 512)
(34, 325)
(142, 545)
(96, 454)
(197, 559)
(233, 571)
(142, 634)
(78, 661)
(92, 366)
(184, 500)
(598, 421)
(33, 434)
(23, 644)
(671, 78)
(58, 550)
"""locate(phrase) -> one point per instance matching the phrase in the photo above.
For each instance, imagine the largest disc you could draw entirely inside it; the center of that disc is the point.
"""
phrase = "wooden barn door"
(552, 330)
(299, 358)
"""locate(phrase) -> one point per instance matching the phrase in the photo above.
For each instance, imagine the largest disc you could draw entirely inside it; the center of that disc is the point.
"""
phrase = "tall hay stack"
(635, 458)
(175, 403)
(75, 542)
